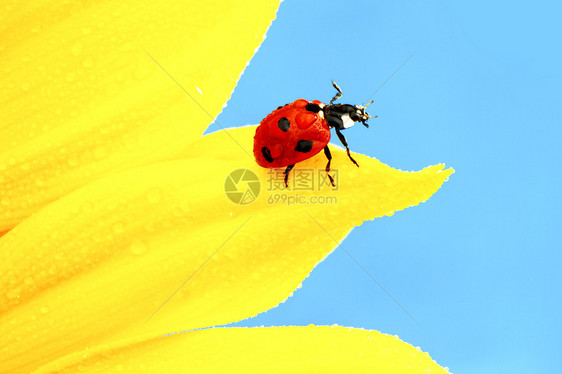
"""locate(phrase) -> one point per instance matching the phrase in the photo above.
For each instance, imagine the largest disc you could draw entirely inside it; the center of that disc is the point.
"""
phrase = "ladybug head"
(343, 116)
(360, 115)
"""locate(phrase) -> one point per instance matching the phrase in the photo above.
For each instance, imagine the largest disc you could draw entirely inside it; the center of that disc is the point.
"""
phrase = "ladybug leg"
(344, 142)
(286, 172)
(338, 95)
(329, 157)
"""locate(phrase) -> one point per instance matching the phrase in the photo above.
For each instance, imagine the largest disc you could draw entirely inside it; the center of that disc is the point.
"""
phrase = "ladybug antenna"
(365, 107)
(366, 115)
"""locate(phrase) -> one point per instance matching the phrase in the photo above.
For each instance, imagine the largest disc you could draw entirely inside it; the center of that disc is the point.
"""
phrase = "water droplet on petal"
(13, 294)
(100, 152)
(87, 207)
(77, 48)
(154, 196)
(88, 62)
(141, 71)
(185, 206)
(72, 161)
(118, 228)
(138, 248)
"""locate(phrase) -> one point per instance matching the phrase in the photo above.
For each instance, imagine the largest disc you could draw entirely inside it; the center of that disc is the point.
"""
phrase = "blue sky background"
(478, 265)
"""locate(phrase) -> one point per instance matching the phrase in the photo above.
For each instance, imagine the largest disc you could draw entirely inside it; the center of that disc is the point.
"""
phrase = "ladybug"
(299, 130)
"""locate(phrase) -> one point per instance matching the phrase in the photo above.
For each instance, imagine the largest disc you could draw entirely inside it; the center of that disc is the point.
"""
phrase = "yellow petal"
(311, 349)
(80, 96)
(161, 249)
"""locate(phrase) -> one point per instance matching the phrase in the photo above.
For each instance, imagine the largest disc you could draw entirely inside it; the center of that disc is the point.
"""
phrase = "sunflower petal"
(161, 248)
(311, 349)
(80, 93)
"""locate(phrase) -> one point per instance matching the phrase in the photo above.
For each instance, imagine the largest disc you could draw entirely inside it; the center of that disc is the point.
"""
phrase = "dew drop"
(141, 71)
(100, 152)
(87, 207)
(28, 280)
(44, 310)
(72, 161)
(118, 228)
(25, 86)
(153, 196)
(13, 294)
(138, 248)
(185, 206)
(177, 211)
(119, 77)
(88, 62)
(77, 48)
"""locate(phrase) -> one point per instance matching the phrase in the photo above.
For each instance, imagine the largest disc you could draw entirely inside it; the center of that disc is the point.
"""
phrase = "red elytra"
(281, 131)
(297, 131)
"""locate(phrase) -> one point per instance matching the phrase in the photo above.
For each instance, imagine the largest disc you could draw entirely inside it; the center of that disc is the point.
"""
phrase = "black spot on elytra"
(282, 106)
(304, 146)
(314, 108)
(266, 154)
(284, 124)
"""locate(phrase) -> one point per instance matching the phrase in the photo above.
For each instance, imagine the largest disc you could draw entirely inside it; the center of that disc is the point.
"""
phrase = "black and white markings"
(304, 146)
(314, 108)
(266, 154)
(284, 124)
